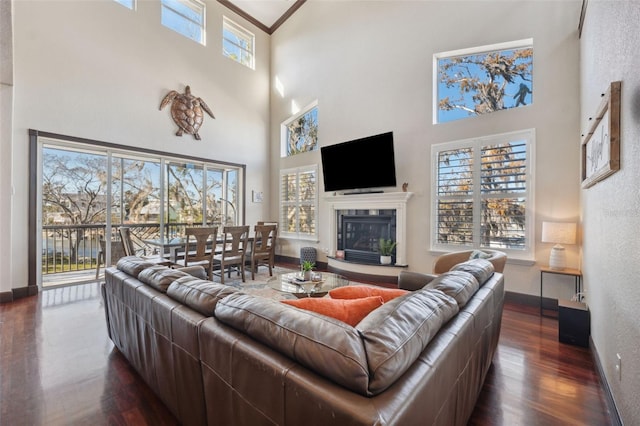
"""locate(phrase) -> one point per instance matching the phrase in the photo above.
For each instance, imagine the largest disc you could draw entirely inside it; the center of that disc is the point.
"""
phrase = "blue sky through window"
(302, 133)
(127, 3)
(478, 83)
(185, 17)
(237, 43)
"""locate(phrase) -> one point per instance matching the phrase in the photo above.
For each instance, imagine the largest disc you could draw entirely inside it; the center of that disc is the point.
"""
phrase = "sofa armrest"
(413, 280)
(445, 262)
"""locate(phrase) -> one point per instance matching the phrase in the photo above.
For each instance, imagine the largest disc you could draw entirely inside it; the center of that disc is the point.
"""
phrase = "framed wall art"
(601, 145)
(256, 196)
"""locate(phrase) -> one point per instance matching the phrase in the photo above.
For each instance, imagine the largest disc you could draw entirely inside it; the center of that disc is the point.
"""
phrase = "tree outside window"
(299, 202)
(484, 194)
(238, 43)
(77, 205)
(300, 133)
(481, 80)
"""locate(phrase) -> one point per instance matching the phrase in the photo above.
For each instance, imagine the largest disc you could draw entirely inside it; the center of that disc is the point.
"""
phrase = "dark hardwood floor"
(58, 367)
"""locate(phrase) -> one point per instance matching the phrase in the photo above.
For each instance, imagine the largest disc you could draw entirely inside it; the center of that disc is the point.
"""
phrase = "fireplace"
(359, 234)
(373, 207)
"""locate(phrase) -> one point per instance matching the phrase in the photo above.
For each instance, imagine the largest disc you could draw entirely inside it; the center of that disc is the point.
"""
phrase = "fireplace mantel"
(373, 201)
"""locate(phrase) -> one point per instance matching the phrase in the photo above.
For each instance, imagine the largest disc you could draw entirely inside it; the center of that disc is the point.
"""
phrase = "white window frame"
(284, 129)
(195, 5)
(282, 228)
(528, 252)
(509, 45)
(242, 33)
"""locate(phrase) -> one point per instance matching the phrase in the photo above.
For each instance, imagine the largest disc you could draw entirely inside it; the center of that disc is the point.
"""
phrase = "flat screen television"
(365, 163)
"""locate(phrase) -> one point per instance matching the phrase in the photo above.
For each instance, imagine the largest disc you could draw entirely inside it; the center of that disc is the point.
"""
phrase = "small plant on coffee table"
(307, 265)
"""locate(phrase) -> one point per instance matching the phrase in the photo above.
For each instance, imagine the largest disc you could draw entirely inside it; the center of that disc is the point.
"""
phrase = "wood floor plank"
(58, 367)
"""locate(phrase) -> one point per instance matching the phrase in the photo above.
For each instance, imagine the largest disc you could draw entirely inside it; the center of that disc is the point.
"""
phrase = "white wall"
(6, 119)
(95, 69)
(611, 208)
(369, 64)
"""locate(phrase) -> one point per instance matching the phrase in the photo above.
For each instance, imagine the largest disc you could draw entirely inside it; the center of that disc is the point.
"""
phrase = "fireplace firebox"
(359, 234)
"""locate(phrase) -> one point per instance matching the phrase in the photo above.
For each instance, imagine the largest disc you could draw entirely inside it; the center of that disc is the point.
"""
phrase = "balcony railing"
(71, 248)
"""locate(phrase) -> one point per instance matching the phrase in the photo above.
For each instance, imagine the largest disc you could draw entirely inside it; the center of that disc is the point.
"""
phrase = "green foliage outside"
(502, 186)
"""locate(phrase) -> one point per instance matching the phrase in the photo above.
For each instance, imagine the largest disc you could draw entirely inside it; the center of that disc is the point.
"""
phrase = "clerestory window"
(185, 17)
(129, 4)
(481, 80)
(483, 194)
(299, 133)
(238, 43)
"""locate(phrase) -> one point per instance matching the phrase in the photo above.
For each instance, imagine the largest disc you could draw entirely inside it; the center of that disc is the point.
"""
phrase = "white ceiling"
(265, 11)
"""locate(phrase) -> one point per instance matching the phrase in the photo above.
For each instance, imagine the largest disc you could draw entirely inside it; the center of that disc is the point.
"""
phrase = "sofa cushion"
(196, 270)
(199, 295)
(479, 254)
(133, 265)
(458, 284)
(327, 346)
(360, 291)
(160, 277)
(409, 280)
(350, 311)
(481, 269)
(396, 333)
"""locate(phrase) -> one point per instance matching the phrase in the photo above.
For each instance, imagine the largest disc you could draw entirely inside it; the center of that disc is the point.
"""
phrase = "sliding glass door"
(86, 191)
(74, 208)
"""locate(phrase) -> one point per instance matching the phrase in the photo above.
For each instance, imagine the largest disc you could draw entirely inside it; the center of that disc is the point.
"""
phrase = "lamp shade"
(559, 232)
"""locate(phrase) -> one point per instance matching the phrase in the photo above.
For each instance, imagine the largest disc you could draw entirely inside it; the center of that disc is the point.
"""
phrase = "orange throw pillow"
(359, 291)
(351, 311)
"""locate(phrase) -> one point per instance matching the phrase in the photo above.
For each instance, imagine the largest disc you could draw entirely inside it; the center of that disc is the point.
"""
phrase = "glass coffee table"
(292, 283)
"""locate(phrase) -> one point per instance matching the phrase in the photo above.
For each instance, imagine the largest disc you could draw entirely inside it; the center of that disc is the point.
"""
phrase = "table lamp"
(558, 233)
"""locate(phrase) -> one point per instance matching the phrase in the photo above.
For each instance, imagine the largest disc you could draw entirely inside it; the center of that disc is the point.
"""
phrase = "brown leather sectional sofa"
(218, 356)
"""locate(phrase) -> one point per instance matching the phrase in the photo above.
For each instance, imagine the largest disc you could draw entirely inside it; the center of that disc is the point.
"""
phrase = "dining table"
(175, 246)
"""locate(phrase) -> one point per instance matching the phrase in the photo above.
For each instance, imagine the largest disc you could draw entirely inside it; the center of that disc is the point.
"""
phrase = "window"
(185, 17)
(89, 189)
(237, 43)
(484, 194)
(300, 132)
(129, 4)
(299, 202)
(481, 80)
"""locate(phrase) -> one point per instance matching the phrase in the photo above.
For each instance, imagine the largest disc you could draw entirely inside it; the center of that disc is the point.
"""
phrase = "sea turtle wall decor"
(186, 111)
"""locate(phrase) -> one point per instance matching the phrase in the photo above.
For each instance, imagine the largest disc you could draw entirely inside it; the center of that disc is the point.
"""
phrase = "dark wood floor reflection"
(58, 367)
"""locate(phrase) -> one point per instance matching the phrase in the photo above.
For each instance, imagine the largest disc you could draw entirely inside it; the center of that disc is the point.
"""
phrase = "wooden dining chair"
(130, 250)
(200, 247)
(275, 238)
(127, 243)
(263, 247)
(116, 253)
(232, 255)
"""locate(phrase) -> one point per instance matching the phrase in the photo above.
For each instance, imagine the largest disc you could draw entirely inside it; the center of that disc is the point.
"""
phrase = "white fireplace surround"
(375, 201)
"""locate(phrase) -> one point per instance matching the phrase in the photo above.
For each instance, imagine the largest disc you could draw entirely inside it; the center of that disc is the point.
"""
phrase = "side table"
(574, 323)
(575, 273)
